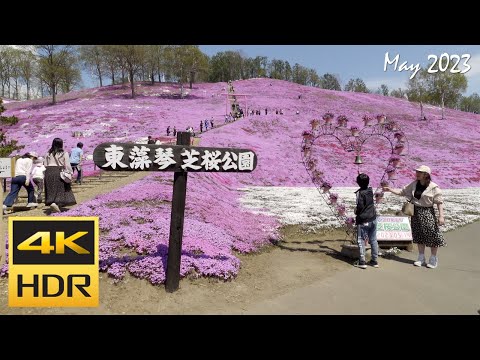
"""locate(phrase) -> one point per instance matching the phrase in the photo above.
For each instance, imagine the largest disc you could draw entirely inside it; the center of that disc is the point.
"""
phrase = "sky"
(364, 61)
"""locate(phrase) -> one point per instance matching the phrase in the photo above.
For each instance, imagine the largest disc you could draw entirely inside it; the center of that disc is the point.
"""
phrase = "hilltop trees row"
(443, 89)
(50, 69)
(43, 70)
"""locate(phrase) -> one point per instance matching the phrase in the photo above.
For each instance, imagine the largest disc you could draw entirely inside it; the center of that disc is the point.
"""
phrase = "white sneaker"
(4, 209)
(433, 262)
(32, 205)
(420, 261)
(54, 207)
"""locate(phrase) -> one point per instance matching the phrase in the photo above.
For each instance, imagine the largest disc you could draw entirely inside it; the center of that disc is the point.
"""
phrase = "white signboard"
(5, 167)
(396, 228)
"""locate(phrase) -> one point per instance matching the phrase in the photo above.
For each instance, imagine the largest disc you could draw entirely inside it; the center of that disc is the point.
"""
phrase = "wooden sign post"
(181, 159)
(177, 217)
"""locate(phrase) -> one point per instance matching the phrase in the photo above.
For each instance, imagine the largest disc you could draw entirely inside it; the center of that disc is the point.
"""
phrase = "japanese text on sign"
(173, 158)
(393, 228)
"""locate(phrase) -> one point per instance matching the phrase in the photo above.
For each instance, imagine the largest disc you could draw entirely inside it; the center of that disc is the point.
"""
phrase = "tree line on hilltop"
(34, 71)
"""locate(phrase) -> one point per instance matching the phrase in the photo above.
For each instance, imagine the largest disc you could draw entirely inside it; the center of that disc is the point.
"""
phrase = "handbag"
(408, 208)
(65, 175)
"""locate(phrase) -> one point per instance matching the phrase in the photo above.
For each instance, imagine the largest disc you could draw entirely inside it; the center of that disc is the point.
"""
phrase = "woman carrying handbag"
(58, 193)
(424, 193)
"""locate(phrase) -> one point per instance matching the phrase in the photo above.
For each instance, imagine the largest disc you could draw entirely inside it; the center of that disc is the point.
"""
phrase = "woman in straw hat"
(424, 193)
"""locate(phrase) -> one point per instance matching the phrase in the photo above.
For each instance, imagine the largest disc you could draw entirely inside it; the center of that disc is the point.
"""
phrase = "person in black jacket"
(366, 221)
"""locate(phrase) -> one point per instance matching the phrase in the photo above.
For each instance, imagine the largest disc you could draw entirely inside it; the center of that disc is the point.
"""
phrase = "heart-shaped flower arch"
(352, 139)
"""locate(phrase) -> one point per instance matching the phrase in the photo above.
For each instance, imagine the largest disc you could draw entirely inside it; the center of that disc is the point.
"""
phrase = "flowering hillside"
(135, 220)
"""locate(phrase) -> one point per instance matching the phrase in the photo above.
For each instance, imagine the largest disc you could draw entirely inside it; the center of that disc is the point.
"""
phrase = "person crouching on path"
(424, 193)
(366, 221)
(38, 174)
(23, 171)
(57, 192)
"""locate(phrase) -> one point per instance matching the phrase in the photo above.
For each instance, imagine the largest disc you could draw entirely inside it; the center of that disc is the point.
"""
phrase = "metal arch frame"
(340, 132)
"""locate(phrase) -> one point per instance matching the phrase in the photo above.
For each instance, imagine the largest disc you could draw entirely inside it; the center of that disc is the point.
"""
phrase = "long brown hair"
(428, 179)
(57, 147)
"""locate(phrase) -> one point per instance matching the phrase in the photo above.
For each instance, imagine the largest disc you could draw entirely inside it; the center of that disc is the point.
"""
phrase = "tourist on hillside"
(424, 193)
(150, 140)
(38, 175)
(366, 220)
(168, 130)
(211, 122)
(206, 124)
(57, 192)
(76, 157)
(22, 177)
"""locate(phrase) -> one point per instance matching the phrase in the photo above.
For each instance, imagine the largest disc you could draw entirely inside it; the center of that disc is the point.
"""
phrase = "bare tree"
(27, 66)
(133, 56)
(70, 74)
(6, 66)
(94, 60)
(54, 65)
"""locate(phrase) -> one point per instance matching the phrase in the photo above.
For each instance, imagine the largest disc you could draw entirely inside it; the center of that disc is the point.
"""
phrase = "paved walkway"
(397, 287)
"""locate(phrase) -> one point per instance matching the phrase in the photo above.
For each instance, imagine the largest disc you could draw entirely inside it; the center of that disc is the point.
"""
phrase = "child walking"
(366, 221)
(38, 174)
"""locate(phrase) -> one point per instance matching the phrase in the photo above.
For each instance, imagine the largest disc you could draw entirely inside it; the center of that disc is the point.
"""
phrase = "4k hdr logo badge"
(53, 262)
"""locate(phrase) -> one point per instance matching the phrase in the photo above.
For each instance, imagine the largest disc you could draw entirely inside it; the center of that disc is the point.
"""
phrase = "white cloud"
(474, 62)
(473, 75)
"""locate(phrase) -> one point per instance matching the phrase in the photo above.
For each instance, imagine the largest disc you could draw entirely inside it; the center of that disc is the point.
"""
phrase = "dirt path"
(302, 274)
(91, 187)
(299, 261)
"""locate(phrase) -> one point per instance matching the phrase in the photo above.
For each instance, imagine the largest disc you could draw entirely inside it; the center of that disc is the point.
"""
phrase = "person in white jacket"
(424, 194)
(23, 170)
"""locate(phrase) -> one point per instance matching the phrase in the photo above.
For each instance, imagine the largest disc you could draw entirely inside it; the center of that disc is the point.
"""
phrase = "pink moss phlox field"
(135, 219)
(135, 225)
(448, 146)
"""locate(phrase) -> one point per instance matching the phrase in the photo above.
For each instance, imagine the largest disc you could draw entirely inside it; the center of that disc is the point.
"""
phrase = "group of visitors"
(38, 174)
(424, 194)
